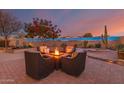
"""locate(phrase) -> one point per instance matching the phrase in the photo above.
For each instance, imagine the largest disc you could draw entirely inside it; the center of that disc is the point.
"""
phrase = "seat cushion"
(74, 54)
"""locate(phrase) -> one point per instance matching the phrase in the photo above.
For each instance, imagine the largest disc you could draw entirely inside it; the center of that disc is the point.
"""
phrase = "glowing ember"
(56, 52)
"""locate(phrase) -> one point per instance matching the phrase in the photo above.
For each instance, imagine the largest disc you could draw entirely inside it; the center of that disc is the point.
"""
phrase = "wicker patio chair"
(74, 66)
(38, 67)
(38, 48)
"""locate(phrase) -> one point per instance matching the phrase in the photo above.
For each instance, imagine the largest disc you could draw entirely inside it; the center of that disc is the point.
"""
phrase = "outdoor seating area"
(39, 64)
(61, 46)
(13, 69)
(52, 49)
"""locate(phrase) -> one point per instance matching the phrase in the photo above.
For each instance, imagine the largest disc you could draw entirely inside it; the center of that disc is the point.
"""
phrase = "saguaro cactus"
(105, 37)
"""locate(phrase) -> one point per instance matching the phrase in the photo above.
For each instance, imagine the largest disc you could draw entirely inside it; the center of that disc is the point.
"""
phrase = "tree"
(9, 25)
(87, 35)
(42, 28)
(105, 37)
(20, 35)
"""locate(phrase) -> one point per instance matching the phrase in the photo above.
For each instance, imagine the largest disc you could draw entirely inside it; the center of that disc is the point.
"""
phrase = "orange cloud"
(115, 24)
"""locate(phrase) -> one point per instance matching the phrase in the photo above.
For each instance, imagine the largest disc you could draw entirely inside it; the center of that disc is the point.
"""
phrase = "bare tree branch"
(9, 25)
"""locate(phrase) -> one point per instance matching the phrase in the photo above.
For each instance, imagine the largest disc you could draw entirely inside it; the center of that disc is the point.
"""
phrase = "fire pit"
(56, 55)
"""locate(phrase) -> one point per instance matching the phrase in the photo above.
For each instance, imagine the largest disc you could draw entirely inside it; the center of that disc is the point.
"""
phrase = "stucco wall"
(122, 39)
(17, 42)
(58, 43)
(22, 42)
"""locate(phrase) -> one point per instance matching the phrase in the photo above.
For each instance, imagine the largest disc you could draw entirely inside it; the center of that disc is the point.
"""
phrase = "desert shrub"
(26, 46)
(2, 43)
(63, 45)
(90, 46)
(98, 45)
(53, 45)
(75, 45)
(111, 48)
(85, 44)
(29, 46)
(80, 45)
(120, 47)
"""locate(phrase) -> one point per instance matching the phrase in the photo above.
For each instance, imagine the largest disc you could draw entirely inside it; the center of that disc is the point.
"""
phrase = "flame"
(56, 52)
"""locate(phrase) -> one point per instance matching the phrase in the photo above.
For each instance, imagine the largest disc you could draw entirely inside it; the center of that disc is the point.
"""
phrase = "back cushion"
(42, 49)
(74, 54)
(69, 49)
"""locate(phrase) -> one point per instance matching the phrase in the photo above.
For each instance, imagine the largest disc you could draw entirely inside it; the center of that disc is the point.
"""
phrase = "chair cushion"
(69, 56)
(45, 56)
(69, 49)
(74, 54)
(42, 49)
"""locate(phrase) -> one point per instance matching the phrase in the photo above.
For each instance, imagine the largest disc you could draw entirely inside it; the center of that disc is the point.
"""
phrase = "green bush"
(29, 46)
(120, 47)
(80, 45)
(63, 45)
(90, 46)
(2, 43)
(111, 48)
(85, 44)
(98, 45)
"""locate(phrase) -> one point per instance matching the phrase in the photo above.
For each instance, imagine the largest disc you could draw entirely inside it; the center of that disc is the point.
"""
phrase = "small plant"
(29, 46)
(63, 45)
(85, 44)
(98, 45)
(91, 46)
(120, 50)
(120, 47)
(53, 45)
(80, 45)
(75, 45)
(111, 48)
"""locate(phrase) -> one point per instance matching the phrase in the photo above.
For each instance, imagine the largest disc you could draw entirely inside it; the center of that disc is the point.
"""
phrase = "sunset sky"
(77, 22)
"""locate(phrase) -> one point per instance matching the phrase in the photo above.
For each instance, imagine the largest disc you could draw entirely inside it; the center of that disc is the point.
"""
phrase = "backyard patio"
(12, 70)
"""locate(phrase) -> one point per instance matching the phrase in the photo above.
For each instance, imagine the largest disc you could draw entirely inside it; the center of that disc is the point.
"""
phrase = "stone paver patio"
(12, 70)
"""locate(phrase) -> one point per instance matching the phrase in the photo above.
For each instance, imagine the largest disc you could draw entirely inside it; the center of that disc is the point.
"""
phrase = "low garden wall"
(91, 44)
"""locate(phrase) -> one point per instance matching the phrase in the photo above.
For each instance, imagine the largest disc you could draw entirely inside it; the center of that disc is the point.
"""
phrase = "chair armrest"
(66, 58)
(47, 58)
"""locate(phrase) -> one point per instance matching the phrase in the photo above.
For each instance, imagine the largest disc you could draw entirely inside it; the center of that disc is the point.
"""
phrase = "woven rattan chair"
(38, 67)
(74, 66)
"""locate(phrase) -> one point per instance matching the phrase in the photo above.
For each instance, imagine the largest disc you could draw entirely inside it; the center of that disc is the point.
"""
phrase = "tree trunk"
(6, 43)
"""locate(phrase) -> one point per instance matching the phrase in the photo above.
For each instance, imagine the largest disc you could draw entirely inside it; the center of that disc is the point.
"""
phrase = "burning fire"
(56, 52)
